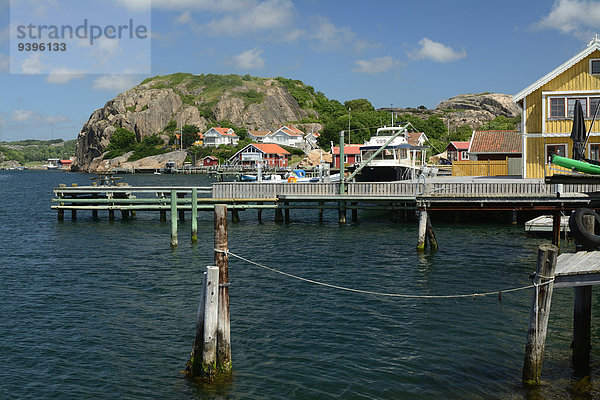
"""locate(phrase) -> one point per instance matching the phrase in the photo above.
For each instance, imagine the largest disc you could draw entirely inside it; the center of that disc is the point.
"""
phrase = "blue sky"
(404, 53)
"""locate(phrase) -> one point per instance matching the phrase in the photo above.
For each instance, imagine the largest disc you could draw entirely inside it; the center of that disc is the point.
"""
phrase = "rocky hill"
(246, 102)
(201, 100)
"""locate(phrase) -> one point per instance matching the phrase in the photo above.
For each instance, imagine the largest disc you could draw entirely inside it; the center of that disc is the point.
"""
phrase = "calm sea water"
(93, 309)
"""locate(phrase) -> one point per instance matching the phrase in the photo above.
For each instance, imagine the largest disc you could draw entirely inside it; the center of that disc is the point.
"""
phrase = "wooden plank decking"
(578, 269)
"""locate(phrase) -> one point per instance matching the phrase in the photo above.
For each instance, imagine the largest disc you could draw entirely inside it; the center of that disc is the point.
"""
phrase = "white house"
(258, 135)
(311, 140)
(287, 136)
(217, 136)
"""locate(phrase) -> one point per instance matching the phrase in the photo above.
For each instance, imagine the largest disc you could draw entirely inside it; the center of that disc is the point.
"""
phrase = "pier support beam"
(124, 214)
(513, 217)
(61, 215)
(278, 215)
(174, 242)
(259, 216)
(342, 212)
(222, 261)
(194, 215)
(287, 211)
(433, 245)
(321, 204)
(354, 212)
(582, 314)
(556, 228)
(111, 215)
(163, 215)
(74, 215)
(235, 216)
(540, 311)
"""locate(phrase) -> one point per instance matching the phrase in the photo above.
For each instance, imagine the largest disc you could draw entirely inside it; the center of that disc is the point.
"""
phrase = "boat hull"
(383, 174)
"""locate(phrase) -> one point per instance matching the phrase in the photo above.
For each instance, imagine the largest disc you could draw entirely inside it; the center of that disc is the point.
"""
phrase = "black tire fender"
(581, 235)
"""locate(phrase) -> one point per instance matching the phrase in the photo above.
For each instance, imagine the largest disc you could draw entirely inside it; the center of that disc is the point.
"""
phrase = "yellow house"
(547, 111)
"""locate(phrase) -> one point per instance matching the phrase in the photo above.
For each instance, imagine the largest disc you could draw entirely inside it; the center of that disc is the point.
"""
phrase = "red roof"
(496, 142)
(460, 146)
(64, 162)
(224, 131)
(210, 157)
(270, 148)
(348, 149)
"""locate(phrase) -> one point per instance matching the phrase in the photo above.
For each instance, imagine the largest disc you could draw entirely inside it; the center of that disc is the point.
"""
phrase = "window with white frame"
(558, 149)
(595, 152)
(595, 66)
(562, 107)
(464, 155)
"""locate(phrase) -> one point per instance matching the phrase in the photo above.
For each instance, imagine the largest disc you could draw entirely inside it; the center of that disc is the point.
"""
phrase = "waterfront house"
(217, 136)
(210, 161)
(417, 138)
(286, 136)
(495, 145)
(258, 136)
(269, 154)
(458, 151)
(547, 110)
(199, 139)
(311, 139)
(65, 163)
(351, 154)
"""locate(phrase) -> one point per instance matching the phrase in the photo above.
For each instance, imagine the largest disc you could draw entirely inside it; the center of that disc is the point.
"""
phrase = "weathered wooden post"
(287, 211)
(556, 228)
(208, 368)
(342, 212)
(321, 209)
(235, 216)
(194, 214)
(111, 215)
(540, 311)
(354, 211)
(74, 215)
(513, 217)
(582, 313)
(222, 261)
(61, 215)
(163, 215)
(124, 214)
(278, 214)
(433, 244)
(174, 242)
(194, 365)
(422, 230)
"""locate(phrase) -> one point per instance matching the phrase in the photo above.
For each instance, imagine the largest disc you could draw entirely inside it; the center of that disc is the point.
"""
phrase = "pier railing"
(249, 190)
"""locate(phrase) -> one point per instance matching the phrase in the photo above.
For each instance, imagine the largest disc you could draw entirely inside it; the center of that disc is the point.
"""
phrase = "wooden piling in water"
(211, 311)
(354, 212)
(321, 204)
(194, 214)
(278, 215)
(259, 212)
(433, 244)
(287, 211)
(235, 216)
(74, 215)
(174, 241)
(163, 216)
(181, 211)
(124, 214)
(194, 365)
(222, 261)
(556, 229)
(111, 215)
(582, 314)
(422, 231)
(540, 311)
(61, 215)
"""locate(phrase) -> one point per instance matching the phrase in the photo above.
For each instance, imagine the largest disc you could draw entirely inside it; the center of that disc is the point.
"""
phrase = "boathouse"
(217, 136)
(495, 145)
(210, 161)
(351, 155)
(268, 154)
(458, 151)
(547, 111)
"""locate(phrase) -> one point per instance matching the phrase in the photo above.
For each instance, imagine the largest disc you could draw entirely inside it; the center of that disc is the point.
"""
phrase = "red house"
(351, 155)
(210, 161)
(458, 151)
(269, 154)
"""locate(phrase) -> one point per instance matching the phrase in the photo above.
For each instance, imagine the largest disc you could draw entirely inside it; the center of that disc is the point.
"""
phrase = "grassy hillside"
(36, 151)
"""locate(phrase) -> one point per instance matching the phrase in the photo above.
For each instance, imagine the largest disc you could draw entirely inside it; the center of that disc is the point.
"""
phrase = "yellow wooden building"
(547, 111)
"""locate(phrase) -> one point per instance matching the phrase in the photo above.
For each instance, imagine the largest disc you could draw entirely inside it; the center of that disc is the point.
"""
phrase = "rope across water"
(406, 296)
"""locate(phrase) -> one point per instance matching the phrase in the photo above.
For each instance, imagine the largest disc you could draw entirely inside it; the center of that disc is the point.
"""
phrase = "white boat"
(397, 160)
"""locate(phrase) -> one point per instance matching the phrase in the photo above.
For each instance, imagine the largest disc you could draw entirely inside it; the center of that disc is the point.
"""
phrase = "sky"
(391, 52)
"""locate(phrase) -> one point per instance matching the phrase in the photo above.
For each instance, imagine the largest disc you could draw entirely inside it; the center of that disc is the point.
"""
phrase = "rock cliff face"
(187, 99)
(477, 109)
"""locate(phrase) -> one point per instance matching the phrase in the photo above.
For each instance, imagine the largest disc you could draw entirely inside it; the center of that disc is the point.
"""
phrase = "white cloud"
(436, 51)
(376, 65)
(185, 18)
(33, 64)
(4, 63)
(266, 15)
(55, 119)
(211, 5)
(115, 82)
(22, 115)
(64, 75)
(250, 59)
(105, 49)
(572, 16)
(326, 36)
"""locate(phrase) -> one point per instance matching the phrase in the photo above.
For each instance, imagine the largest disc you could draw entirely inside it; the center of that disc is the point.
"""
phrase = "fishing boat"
(388, 156)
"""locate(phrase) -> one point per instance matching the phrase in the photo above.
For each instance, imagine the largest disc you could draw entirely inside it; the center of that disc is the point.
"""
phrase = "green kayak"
(576, 165)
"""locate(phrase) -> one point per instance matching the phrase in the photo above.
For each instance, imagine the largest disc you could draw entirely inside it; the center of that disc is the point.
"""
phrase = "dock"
(543, 225)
